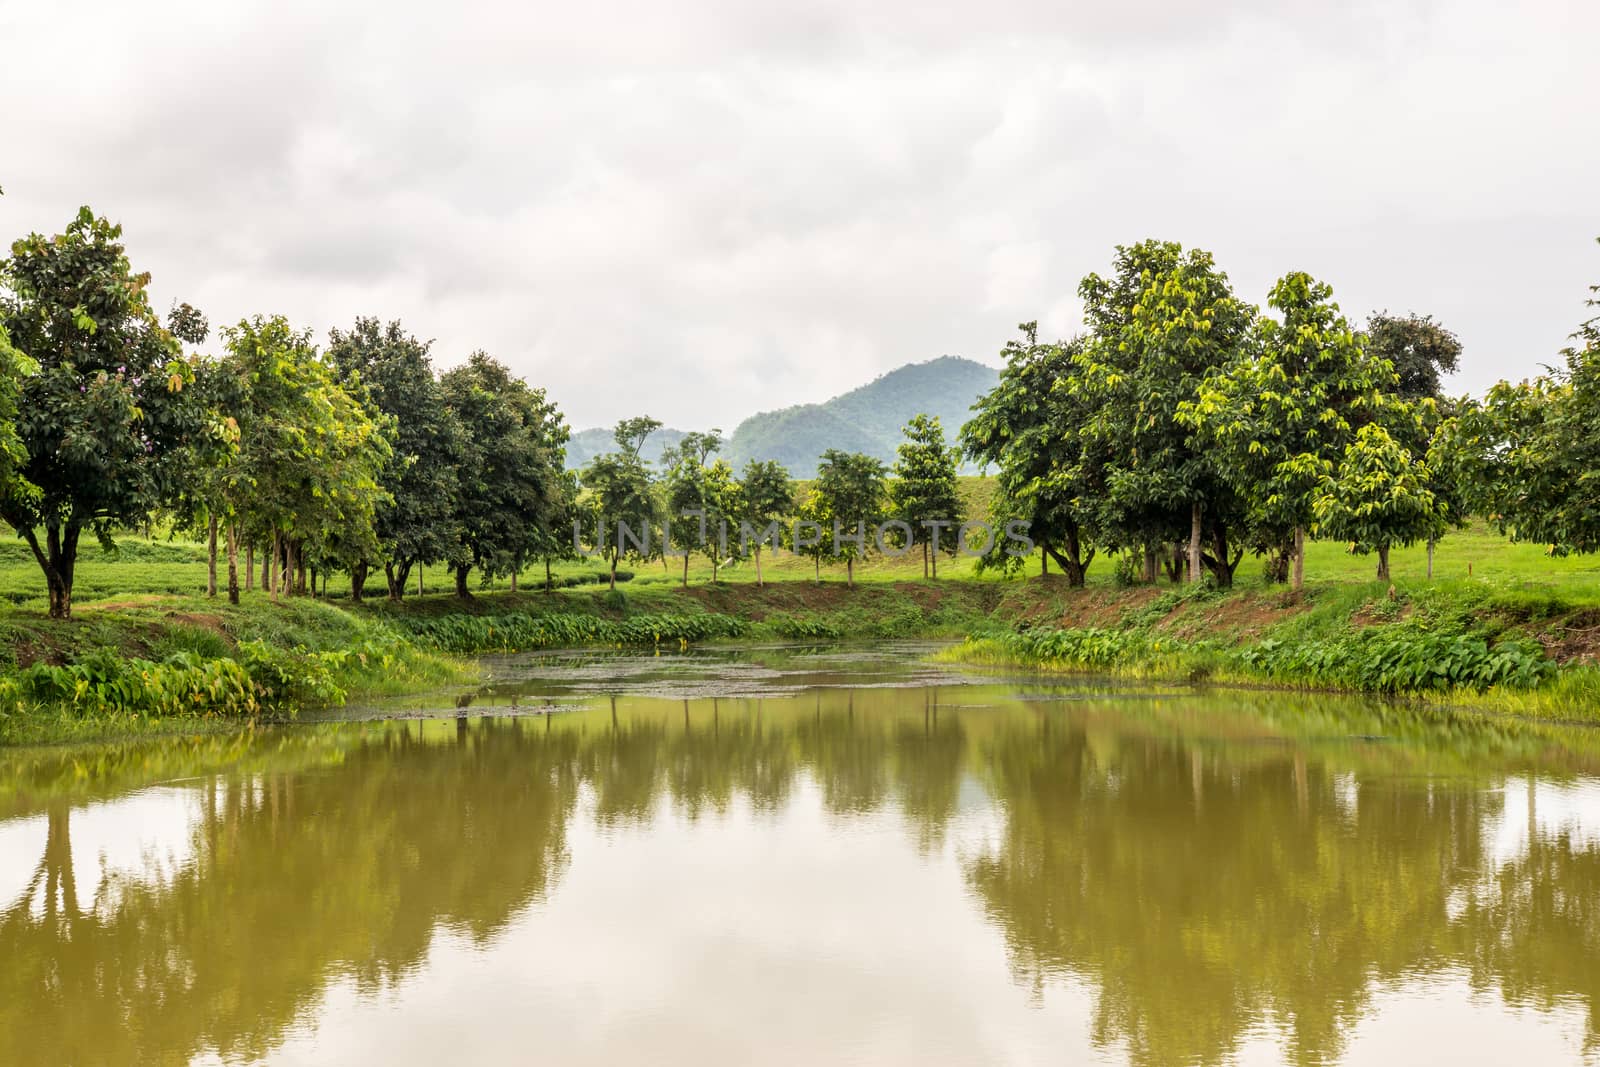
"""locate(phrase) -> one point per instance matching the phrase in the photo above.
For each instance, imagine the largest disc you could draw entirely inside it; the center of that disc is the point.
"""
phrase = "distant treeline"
(1182, 430)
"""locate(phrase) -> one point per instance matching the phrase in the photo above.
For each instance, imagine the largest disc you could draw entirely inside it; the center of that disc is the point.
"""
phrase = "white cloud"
(704, 209)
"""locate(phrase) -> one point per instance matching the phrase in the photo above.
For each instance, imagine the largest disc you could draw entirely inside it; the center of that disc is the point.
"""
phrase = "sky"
(705, 208)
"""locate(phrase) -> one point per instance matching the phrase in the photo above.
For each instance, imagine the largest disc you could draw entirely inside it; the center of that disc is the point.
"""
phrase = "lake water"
(792, 856)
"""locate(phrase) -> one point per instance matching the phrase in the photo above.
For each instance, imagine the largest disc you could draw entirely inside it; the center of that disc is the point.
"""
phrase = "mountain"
(587, 444)
(868, 419)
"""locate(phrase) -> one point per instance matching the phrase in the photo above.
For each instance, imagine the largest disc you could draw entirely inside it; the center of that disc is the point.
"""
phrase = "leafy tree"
(107, 412)
(1528, 455)
(925, 489)
(1165, 321)
(618, 493)
(415, 525)
(766, 496)
(689, 492)
(509, 481)
(1282, 414)
(1377, 498)
(850, 492)
(1420, 350)
(308, 473)
(721, 504)
(1033, 426)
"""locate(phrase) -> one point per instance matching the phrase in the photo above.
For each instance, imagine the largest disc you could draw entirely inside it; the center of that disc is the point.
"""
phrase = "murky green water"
(825, 857)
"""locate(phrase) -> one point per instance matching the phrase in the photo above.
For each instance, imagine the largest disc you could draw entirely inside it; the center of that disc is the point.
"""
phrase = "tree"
(766, 496)
(924, 494)
(1034, 427)
(1282, 414)
(618, 495)
(1528, 457)
(509, 481)
(1420, 350)
(307, 477)
(415, 525)
(850, 491)
(1165, 321)
(688, 488)
(107, 412)
(1377, 498)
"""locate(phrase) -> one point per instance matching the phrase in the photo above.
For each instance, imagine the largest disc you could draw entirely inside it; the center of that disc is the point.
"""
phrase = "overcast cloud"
(703, 210)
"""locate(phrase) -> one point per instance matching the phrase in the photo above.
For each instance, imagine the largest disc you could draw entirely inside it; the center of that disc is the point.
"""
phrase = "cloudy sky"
(699, 210)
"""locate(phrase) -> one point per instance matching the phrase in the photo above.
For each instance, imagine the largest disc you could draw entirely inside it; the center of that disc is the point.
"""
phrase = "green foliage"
(848, 500)
(1402, 659)
(104, 412)
(1034, 427)
(510, 490)
(1281, 415)
(415, 520)
(924, 490)
(618, 492)
(1378, 498)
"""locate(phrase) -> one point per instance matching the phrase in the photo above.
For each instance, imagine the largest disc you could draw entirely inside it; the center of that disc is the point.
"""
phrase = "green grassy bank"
(147, 650)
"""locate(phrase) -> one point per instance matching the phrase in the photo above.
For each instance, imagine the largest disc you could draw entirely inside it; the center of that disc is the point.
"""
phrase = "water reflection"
(1183, 880)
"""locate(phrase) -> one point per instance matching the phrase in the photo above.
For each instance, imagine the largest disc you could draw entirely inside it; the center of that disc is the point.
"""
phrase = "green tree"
(691, 500)
(619, 497)
(851, 492)
(1420, 349)
(1378, 497)
(105, 417)
(1282, 414)
(416, 523)
(510, 487)
(924, 492)
(1165, 321)
(766, 497)
(1034, 427)
(307, 477)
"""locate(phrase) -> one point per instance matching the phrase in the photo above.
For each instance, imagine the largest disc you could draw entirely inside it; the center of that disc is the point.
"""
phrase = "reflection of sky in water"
(1551, 809)
(143, 837)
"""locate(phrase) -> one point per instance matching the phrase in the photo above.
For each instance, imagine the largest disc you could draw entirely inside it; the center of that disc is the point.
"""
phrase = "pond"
(823, 855)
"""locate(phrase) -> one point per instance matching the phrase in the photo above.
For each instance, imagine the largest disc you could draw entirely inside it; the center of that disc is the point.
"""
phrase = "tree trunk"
(1194, 543)
(933, 560)
(515, 568)
(358, 580)
(233, 563)
(211, 556)
(461, 570)
(850, 571)
(613, 575)
(817, 566)
(1299, 558)
(549, 583)
(300, 567)
(1383, 563)
(266, 566)
(1431, 543)
(268, 579)
(420, 589)
(1044, 562)
(924, 559)
(57, 559)
(250, 566)
(1151, 567)
(758, 566)
(713, 570)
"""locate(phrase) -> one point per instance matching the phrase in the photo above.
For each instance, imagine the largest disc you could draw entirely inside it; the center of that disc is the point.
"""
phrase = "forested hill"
(868, 419)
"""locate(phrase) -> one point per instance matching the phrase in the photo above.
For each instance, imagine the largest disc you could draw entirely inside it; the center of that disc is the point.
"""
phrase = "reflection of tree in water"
(297, 880)
(1203, 896)
(1201, 887)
